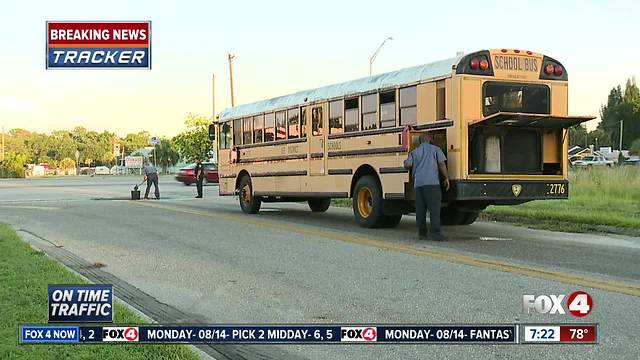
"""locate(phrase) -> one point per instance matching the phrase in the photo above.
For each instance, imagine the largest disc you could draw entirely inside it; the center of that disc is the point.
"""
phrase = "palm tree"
(166, 155)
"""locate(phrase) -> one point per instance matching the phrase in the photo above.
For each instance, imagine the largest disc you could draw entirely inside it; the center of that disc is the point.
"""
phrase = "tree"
(602, 137)
(135, 141)
(194, 142)
(166, 154)
(635, 147)
(67, 164)
(108, 158)
(13, 165)
(577, 135)
(622, 106)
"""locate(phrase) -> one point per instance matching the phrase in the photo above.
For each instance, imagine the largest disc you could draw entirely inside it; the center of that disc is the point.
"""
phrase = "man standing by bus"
(425, 161)
(151, 177)
(198, 172)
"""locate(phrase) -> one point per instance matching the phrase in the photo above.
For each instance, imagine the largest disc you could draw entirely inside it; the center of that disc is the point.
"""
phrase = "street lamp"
(375, 54)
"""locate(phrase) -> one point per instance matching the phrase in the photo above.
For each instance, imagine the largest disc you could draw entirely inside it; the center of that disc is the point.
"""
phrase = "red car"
(186, 175)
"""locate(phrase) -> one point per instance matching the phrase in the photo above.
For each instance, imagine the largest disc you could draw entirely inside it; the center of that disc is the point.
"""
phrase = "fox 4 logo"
(358, 333)
(120, 334)
(578, 304)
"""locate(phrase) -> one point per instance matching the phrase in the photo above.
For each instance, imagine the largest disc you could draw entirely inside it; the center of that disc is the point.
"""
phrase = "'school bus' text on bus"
(499, 115)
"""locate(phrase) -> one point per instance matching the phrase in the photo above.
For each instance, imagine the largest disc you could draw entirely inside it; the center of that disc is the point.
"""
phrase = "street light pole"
(213, 97)
(375, 54)
(230, 57)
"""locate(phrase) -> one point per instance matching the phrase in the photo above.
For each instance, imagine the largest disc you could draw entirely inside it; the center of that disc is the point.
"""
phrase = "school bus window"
(247, 131)
(512, 97)
(441, 98)
(258, 126)
(408, 113)
(351, 115)
(316, 120)
(269, 127)
(303, 122)
(293, 117)
(369, 112)
(388, 109)
(281, 126)
(336, 109)
(225, 138)
(237, 132)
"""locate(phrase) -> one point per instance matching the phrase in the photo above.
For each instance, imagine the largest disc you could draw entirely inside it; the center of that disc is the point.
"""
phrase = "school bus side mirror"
(212, 132)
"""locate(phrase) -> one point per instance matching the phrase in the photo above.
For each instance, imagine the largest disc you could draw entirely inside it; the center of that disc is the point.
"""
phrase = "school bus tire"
(367, 202)
(319, 205)
(454, 216)
(249, 203)
(391, 221)
(470, 218)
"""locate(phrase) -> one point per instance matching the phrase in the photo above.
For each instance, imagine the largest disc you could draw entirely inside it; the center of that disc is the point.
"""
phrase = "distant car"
(631, 162)
(117, 170)
(102, 170)
(593, 161)
(186, 175)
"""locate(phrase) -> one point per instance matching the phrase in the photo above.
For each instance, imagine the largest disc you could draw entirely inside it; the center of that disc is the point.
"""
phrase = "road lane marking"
(438, 254)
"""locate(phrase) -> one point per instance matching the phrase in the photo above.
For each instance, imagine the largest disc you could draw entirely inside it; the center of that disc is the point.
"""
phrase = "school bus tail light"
(474, 64)
(548, 69)
(557, 70)
(484, 64)
(478, 63)
(552, 70)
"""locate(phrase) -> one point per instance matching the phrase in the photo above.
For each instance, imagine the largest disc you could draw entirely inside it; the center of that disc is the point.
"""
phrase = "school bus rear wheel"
(319, 205)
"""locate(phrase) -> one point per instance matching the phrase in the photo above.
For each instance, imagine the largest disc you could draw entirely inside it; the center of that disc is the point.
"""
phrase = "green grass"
(600, 197)
(24, 276)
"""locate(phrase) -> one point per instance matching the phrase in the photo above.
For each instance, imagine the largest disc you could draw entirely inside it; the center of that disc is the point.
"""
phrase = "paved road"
(288, 265)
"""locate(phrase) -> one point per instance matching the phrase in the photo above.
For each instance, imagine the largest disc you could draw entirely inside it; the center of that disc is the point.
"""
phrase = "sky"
(286, 46)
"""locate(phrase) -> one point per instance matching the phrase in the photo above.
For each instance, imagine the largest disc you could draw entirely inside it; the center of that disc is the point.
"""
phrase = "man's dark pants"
(152, 179)
(428, 197)
(199, 185)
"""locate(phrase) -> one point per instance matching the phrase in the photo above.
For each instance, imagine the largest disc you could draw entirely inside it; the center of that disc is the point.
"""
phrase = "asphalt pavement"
(206, 258)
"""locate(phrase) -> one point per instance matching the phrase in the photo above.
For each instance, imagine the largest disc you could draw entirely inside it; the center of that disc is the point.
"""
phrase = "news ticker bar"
(313, 334)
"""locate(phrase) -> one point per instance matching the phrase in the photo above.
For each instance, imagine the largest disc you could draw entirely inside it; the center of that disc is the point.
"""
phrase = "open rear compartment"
(494, 150)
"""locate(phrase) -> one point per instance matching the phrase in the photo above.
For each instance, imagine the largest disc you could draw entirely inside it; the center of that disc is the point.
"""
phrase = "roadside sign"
(133, 161)
(154, 140)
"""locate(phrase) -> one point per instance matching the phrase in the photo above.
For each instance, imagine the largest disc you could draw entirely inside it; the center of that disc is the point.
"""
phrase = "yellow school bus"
(500, 116)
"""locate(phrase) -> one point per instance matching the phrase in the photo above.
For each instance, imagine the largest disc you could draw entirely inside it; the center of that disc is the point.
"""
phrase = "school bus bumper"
(506, 191)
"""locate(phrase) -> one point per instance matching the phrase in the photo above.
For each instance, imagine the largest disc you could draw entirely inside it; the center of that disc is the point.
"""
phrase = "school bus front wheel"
(249, 203)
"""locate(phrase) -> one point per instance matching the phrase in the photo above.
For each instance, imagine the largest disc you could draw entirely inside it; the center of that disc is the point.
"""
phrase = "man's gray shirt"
(424, 163)
(150, 169)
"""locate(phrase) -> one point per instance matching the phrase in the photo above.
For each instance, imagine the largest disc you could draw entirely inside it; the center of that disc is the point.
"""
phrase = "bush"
(13, 165)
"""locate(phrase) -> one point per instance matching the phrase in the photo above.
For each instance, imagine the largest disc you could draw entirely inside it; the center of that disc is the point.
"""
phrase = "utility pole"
(621, 136)
(213, 97)
(375, 54)
(230, 57)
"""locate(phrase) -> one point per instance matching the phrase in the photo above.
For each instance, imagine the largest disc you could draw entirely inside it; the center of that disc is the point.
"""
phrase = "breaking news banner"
(80, 303)
(274, 334)
(105, 45)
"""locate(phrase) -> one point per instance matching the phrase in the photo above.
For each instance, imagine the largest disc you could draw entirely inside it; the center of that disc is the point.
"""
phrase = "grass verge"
(24, 276)
(600, 199)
